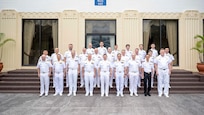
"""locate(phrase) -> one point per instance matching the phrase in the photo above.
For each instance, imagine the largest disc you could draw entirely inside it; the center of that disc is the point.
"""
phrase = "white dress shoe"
(55, 94)
(86, 94)
(167, 96)
(69, 94)
(74, 94)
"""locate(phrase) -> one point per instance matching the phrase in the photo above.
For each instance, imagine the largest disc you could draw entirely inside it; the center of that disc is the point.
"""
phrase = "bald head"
(162, 52)
(89, 57)
(109, 49)
(73, 53)
(43, 57)
(90, 45)
(133, 56)
(56, 50)
(123, 52)
(96, 50)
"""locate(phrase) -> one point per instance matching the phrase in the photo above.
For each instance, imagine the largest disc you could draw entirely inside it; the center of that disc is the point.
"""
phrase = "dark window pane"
(37, 36)
(164, 33)
(100, 30)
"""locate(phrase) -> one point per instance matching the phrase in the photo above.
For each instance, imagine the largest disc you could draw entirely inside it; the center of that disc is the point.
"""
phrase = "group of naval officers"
(98, 67)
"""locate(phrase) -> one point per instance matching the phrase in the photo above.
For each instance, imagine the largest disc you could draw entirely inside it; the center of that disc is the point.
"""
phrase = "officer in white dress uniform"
(67, 56)
(53, 60)
(147, 69)
(127, 51)
(90, 50)
(154, 51)
(102, 50)
(82, 59)
(59, 70)
(154, 55)
(163, 71)
(111, 59)
(73, 70)
(133, 69)
(142, 52)
(138, 58)
(125, 58)
(119, 73)
(44, 71)
(104, 74)
(115, 52)
(48, 58)
(171, 57)
(96, 58)
(89, 71)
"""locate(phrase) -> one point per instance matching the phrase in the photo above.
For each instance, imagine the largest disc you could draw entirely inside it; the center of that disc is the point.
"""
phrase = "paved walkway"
(31, 104)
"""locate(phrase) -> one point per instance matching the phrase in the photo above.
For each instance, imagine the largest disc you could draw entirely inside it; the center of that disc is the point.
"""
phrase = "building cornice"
(44, 15)
(8, 14)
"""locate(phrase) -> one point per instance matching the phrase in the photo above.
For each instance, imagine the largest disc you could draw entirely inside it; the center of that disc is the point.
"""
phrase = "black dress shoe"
(145, 94)
(149, 94)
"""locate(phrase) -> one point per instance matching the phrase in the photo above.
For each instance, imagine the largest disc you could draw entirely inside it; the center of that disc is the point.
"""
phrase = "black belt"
(147, 72)
(163, 69)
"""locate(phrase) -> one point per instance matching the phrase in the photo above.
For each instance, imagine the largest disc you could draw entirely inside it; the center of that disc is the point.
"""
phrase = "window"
(38, 35)
(100, 30)
(164, 33)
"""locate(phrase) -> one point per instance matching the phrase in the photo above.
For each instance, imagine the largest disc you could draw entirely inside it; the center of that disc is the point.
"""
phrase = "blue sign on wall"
(100, 2)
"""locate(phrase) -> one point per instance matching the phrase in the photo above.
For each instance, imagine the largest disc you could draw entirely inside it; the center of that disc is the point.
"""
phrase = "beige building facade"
(129, 30)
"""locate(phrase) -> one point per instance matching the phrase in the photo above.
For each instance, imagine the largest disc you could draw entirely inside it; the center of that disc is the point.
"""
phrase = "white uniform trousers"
(119, 82)
(152, 79)
(53, 79)
(126, 81)
(59, 79)
(72, 80)
(163, 78)
(89, 82)
(133, 79)
(67, 79)
(111, 78)
(82, 82)
(97, 79)
(139, 82)
(44, 83)
(104, 82)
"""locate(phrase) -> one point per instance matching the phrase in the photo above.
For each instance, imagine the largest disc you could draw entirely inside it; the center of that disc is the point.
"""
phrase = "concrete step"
(26, 81)
(35, 77)
(32, 87)
(112, 92)
(37, 82)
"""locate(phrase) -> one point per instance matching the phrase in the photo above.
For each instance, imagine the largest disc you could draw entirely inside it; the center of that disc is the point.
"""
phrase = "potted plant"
(3, 41)
(200, 49)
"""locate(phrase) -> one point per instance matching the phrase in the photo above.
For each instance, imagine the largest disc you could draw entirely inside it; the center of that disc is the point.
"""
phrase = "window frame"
(160, 35)
(100, 34)
(40, 38)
